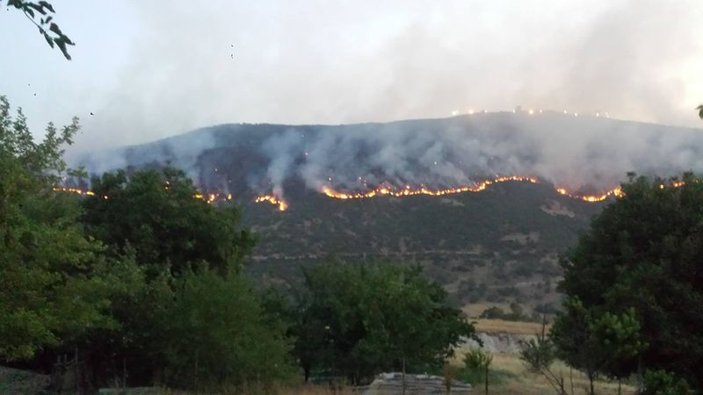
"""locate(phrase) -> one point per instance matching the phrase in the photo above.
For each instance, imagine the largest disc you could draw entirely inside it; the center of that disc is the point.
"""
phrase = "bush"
(661, 382)
(217, 334)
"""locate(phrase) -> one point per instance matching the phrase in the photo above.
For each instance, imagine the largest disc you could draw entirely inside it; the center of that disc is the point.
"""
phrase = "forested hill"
(506, 237)
(498, 245)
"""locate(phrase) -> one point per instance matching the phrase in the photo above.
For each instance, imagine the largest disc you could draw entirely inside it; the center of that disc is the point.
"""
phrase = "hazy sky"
(150, 69)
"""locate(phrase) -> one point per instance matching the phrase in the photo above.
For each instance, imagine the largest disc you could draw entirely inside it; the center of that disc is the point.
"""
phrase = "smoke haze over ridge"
(150, 69)
(581, 153)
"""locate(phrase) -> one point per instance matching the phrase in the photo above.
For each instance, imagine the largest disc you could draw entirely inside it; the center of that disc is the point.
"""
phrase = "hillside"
(497, 245)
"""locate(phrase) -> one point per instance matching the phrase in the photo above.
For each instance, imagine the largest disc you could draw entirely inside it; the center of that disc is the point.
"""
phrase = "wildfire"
(77, 191)
(616, 192)
(387, 190)
(209, 197)
(282, 204)
(408, 191)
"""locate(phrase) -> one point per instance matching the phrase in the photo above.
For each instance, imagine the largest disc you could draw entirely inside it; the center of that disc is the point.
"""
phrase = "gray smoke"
(310, 62)
(581, 153)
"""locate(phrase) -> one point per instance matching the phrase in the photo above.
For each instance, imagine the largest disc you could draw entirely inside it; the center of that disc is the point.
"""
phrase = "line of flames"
(408, 191)
(616, 192)
(275, 200)
(481, 186)
(208, 197)
(392, 192)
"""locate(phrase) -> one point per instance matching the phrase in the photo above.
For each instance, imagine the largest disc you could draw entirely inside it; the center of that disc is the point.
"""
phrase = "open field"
(514, 379)
(512, 327)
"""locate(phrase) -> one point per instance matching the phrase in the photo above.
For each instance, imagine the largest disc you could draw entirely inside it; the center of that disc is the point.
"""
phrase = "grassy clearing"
(508, 374)
(517, 380)
(512, 327)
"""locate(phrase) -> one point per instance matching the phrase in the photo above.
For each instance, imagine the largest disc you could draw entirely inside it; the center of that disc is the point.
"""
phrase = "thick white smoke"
(581, 153)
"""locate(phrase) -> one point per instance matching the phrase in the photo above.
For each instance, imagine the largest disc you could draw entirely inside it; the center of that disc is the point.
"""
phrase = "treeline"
(633, 309)
(142, 284)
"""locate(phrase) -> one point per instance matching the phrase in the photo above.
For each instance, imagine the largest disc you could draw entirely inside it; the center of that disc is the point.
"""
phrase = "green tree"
(643, 254)
(660, 382)
(359, 320)
(41, 14)
(50, 289)
(603, 344)
(479, 360)
(154, 213)
(131, 352)
(152, 222)
(216, 334)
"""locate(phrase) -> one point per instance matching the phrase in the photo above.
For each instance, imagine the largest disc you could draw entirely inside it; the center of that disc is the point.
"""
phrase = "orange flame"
(407, 191)
(208, 198)
(386, 190)
(615, 192)
(276, 201)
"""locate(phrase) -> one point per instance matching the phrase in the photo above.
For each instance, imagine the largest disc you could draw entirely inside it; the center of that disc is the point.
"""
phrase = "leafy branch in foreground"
(41, 14)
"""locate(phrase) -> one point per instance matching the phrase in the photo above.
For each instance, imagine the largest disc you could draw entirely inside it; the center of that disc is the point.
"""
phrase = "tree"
(130, 352)
(604, 344)
(538, 354)
(154, 213)
(153, 220)
(700, 111)
(359, 320)
(643, 254)
(50, 287)
(41, 14)
(660, 382)
(216, 334)
(479, 360)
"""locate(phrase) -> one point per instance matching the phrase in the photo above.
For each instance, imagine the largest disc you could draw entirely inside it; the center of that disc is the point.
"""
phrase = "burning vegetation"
(391, 191)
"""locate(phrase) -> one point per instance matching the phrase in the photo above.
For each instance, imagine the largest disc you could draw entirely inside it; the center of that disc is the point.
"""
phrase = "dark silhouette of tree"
(635, 279)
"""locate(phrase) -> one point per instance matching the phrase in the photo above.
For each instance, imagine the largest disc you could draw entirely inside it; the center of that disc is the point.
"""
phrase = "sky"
(149, 69)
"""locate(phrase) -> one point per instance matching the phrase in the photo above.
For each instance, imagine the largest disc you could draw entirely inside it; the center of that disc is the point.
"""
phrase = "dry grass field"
(516, 379)
(512, 327)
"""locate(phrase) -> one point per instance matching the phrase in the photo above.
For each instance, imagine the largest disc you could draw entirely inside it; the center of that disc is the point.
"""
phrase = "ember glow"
(616, 192)
(276, 201)
(391, 191)
(408, 191)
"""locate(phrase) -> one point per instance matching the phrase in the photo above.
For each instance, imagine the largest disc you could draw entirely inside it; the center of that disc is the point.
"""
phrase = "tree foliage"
(635, 282)
(217, 333)
(479, 360)
(49, 287)
(140, 281)
(661, 382)
(598, 344)
(154, 212)
(41, 14)
(358, 320)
